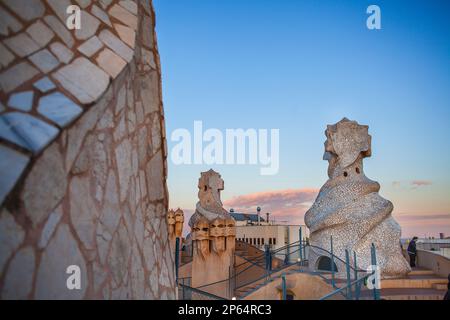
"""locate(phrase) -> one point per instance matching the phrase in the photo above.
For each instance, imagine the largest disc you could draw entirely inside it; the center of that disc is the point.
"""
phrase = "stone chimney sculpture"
(213, 237)
(175, 220)
(349, 208)
(171, 223)
(179, 221)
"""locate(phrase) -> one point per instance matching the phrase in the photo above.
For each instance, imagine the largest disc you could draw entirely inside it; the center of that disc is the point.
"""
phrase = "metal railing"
(256, 271)
(186, 292)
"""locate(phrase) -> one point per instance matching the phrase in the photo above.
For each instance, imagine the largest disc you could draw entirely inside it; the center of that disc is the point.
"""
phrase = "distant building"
(265, 232)
(244, 219)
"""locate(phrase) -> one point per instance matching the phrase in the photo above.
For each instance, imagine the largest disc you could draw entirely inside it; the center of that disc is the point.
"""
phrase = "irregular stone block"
(124, 16)
(84, 3)
(44, 85)
(40, 202)
(21, 101)
(60, 7)
(126, 34)
(19, 277)
(83, 79)
(155, 178)
(149, 85)
(123, 160)
(8, 22)
(22, 44)
(50, 227)
(147, 32)
(110, 62)
(119, 255)
(102, 15)
(89, 26)
(116, 45)
(83, 213)
(137, 274)
(77, 133)
(60, 29)
(51, 278)
(61, 52)
(90, 47)
(58, 108)
(40, 33)
(105, 3)
(44, 60)
(110, 215)
(16, 75)
(26, 130)
(6, 57)
(26, 9)
(11, 236)
(129, 5)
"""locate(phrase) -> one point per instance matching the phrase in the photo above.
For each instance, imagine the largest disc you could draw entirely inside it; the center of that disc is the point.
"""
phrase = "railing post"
(283, 285)
(304, 249)
(266, 256)
(177, 257)
(357, 288)
(300, 241)
(267, 259)
(270, 261)
(376, 291)
(230, 294)
(349, 280)
(288, 255)
(332, 262)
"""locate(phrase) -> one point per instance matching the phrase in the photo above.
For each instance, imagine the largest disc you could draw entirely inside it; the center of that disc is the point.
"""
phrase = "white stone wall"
(93, 194)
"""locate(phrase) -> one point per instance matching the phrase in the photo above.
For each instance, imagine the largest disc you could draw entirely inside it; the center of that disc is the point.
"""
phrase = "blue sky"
(300, 65)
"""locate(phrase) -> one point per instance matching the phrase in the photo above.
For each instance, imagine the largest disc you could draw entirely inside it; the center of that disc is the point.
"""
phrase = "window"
(263, 241)
(274, 241)
(270, 241)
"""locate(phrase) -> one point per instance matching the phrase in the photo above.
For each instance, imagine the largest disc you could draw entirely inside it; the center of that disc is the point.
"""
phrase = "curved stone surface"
(349, 208)
(83, 172)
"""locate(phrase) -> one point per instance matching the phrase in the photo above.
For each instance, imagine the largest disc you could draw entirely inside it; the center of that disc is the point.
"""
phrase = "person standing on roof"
(412, 252)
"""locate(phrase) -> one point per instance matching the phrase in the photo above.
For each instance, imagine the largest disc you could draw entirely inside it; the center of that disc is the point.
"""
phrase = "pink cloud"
(420, 183)
(396, 183)
(290, 205)
(284, 205)
(424, 224)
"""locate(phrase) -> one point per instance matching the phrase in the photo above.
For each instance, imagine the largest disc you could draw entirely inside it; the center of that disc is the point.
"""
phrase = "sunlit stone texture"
(349, 208)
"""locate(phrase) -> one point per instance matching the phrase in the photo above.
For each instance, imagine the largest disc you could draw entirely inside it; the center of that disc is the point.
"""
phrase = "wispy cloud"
(416, 217)
(423, 224)
(420, 183)
(285, 205)
(414, 184)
